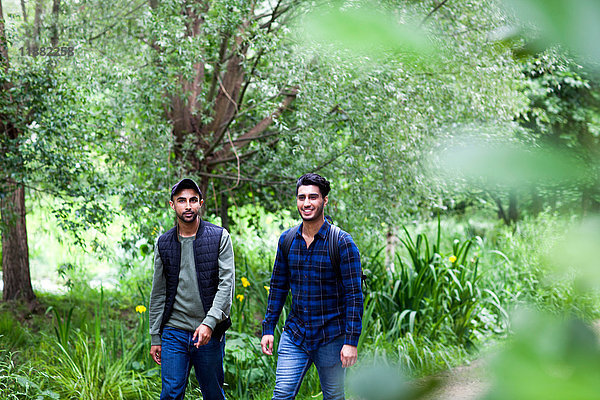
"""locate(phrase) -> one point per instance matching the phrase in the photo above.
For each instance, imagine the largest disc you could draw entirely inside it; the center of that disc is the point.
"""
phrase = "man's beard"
(190, 217)
(317, 215)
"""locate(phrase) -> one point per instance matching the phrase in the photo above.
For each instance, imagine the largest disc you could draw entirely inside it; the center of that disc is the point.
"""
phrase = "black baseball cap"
(185, 183)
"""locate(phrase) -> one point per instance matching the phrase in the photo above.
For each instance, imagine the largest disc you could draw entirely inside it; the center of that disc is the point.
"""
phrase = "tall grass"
(99, 361)
(22, 380)
(414, 355)
(519, 268)
(12, 334)
(87, 371)
(62, 326)
(434, 293)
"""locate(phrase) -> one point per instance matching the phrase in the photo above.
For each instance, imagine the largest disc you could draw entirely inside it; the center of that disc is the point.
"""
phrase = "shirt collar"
(323, 231)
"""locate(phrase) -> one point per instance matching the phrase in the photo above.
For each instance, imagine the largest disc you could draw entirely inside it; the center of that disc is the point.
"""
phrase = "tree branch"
(256, 138)
(152, 45)
(4, 64)
(217, 69)
(433, 11)
(214, 162)
(218, 176)
(259, 128)
(24, 11)
(118, 21)
(501, 213)
(225, 108)
(276, 13)
(268, 25)
(196, 87)
(255, 105)
(37, 20)
(332, 159)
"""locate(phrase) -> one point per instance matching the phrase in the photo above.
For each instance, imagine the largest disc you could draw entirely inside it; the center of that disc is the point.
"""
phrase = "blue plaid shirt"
(323, 306)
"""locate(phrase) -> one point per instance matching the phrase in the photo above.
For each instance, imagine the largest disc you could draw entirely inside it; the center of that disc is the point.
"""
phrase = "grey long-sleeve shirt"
(188, 311)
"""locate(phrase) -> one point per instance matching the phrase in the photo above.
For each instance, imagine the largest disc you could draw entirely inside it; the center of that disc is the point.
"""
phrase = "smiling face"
(186, 205)
(310, 203)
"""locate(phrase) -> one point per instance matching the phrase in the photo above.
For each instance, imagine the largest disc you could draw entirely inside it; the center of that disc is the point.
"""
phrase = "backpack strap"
(334, 249)
(334, 254)
(287, 241)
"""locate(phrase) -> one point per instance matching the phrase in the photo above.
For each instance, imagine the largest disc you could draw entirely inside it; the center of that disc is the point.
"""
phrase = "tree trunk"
(15, 252)
(37, 22)
(24, 11)
(536, 201)
(513, 211)
(224, 210)
(54, 29)
(501, 214)
(391, 242)
(589, 204)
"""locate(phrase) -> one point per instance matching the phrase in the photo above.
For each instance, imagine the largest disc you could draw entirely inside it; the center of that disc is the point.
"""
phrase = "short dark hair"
(314, 179)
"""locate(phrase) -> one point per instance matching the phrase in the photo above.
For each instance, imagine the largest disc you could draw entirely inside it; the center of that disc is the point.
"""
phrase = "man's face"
(310, 202)
(186, 205)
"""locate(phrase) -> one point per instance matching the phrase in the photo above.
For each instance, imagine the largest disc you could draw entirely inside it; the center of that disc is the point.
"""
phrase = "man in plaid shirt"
(324, 324)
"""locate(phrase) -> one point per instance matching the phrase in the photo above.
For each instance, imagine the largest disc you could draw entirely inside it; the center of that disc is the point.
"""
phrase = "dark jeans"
(293, 362)
(178, 354)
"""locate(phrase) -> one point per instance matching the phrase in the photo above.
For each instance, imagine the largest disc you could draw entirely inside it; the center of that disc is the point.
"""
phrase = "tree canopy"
(245, 96)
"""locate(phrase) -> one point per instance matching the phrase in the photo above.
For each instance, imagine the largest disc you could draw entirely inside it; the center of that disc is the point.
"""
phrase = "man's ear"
(325, 200)
(172, 204)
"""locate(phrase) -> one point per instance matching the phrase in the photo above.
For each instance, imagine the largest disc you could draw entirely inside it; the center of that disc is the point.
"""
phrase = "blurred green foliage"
(548, 357)
(570, 23)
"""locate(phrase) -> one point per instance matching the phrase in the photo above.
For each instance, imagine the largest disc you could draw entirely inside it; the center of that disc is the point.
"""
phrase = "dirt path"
(463, 383)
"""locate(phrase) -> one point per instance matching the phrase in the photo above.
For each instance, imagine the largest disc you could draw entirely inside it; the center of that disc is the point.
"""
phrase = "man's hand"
(203, 333)
(155, 353)
(348, 355)
(266, 344)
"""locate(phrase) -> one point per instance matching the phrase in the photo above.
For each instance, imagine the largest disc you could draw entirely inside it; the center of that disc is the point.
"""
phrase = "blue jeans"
(178, 354)
(293, 361)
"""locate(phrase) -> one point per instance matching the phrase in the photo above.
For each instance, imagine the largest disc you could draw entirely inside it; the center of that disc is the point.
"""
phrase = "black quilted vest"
(206, 257)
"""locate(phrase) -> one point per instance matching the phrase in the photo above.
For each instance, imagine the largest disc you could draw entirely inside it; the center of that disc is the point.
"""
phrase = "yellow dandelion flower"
(245, 282)
(452, 259)
(240, 297)
(140, 309)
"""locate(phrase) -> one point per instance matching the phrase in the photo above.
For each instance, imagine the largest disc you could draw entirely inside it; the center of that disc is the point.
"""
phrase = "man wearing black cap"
(191, 297)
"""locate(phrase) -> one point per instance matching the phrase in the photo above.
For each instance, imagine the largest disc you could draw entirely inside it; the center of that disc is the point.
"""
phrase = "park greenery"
(461, 139)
